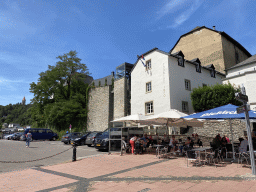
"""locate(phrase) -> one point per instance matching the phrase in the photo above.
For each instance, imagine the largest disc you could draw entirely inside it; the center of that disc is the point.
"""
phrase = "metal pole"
(250, 141)
(74, 152)
(234, 157)
(109, 140)
(249, 135)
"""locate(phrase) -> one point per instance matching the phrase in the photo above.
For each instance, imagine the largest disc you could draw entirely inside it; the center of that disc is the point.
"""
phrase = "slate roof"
(250, 60)
(220, 32)
(176, 56)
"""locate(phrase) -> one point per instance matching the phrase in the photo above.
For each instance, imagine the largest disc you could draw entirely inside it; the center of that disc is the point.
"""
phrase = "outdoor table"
(201, 149)
(157, 149)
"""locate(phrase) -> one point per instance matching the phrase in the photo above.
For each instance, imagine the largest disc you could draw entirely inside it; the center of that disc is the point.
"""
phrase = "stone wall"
(212, 128)
(205, 45)
(100, 108)
(120, 98)
(229, 53)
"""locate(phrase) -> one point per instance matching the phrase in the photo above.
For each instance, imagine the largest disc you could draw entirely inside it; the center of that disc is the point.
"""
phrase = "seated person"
(144, 140)
(188, 144)
(166, 140)
(172, 144)
(181, 146)
(243, 146)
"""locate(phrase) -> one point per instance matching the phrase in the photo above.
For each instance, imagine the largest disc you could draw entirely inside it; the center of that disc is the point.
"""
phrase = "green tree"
(60, 94)
(209, 97)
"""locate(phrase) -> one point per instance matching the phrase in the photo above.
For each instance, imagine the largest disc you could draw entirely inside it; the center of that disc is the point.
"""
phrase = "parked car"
(23, 137)
(9, 136)
(42, 134)
(102, 141)
(66, 139)
(17, 136)
(91, 137)
(79, 139)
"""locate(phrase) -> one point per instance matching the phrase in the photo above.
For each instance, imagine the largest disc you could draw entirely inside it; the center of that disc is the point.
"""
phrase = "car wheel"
(82, 143)
(54, 138)
(89, 145)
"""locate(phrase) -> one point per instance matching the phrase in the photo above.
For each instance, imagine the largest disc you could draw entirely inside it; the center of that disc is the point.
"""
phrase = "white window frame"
(187, 84)
(149, 107)
(148, 64)
(184, 106)
(148, 87)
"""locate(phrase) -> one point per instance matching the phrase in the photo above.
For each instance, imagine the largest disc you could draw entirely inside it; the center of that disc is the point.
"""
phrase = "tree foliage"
(209, 97)
(60, 96)
(16, 113)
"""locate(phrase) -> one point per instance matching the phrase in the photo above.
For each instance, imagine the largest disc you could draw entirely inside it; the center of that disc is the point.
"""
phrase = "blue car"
(42, 134)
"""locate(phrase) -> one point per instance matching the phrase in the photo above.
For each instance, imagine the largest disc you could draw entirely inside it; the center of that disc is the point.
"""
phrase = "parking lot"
(16, 151)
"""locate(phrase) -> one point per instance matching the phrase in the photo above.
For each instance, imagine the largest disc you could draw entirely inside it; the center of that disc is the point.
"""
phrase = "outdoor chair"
(243, 156)
(191, 156)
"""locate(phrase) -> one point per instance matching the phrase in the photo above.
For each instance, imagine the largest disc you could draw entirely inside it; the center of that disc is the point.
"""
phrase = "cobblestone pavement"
(139, 173)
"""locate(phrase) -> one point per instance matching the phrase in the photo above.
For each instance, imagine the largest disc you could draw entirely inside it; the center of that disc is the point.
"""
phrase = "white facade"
(168, 83)
(244, 74)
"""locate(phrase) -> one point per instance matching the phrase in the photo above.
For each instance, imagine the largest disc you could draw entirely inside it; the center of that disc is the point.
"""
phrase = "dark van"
(42, 134)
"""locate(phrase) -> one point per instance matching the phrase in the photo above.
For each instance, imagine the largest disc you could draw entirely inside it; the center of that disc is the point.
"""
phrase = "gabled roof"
(221, 33)
(178, 53)
(177, 56)
(139, 56)
(196, 60)
(248, 61)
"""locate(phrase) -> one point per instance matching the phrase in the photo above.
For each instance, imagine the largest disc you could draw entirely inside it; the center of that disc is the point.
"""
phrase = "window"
(213, 73)
(187, 85)
(181, 61)
(184, 106)
(149, 107)
(198, 67)
(204, 85)
(148, 64)
(148, 87)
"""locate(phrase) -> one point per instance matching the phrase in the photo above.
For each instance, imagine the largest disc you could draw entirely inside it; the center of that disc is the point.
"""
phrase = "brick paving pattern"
(139, 173)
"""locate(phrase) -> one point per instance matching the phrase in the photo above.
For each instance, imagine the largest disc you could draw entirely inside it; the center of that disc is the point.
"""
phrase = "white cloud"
(186, 14)
(178, 11)
(170, 7)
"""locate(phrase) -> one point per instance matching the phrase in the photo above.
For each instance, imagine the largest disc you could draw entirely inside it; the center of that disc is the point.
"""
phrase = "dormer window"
(180, 57)
(198, 64)
(198, 67)
(181, 61)
(213, 72)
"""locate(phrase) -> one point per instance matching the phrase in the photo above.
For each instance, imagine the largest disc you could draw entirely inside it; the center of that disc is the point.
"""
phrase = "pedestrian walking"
(28, 138)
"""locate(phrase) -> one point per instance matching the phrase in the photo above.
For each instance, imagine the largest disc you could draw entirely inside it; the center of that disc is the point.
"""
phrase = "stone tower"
(24, 101)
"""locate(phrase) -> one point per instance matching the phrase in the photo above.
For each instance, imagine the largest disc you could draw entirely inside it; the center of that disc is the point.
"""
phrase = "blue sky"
(104, 33)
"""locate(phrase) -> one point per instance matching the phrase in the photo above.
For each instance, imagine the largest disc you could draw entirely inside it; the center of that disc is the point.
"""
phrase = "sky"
(104, 33)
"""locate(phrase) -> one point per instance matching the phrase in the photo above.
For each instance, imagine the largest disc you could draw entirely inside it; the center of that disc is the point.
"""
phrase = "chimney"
(213, 27)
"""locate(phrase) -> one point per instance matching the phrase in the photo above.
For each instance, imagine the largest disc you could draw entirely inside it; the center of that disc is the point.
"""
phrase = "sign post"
(244, 98)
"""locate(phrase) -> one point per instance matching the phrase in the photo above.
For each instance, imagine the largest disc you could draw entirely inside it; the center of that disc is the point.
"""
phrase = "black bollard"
(74, 152)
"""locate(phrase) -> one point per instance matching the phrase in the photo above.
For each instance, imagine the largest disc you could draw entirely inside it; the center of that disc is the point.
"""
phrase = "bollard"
(74, 152)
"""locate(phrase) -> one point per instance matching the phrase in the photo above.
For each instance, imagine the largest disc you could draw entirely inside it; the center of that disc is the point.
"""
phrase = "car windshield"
(105, 134)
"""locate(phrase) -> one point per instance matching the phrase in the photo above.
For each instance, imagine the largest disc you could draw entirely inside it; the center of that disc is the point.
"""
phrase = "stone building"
(24, 101)
(109, 99)
(211, 47)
